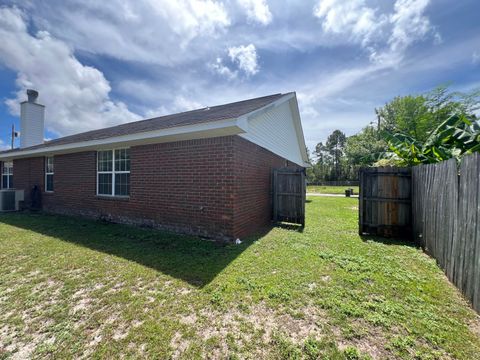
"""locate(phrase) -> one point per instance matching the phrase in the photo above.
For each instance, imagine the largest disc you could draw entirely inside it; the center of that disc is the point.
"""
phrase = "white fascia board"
(198, 131)
(242, 123)
(299, 129)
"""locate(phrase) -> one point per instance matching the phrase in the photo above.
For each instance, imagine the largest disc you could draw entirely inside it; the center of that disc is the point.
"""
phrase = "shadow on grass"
(189, 258)
(290, 226)
(390, 241)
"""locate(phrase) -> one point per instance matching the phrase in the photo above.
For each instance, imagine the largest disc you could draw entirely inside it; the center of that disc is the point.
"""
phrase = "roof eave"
(189, 132)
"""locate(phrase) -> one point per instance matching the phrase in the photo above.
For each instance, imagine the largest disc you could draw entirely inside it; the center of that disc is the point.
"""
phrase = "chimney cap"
(32, 95)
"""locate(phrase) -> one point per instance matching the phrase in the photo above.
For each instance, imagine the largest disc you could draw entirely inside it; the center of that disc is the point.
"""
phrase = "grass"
(318, 189)
(78, 288)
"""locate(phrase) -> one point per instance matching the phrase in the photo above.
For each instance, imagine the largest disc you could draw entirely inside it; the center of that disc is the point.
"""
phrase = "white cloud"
(245, 57)
(475, 58)
(222, 69)
(3, 145)
(385, 36)
(257, 11)
(409, 23)
(351, 18)
(154, 31)
(180, 104)
(76, 96)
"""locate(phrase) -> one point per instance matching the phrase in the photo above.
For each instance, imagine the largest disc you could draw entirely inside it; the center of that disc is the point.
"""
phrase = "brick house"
(205, 172)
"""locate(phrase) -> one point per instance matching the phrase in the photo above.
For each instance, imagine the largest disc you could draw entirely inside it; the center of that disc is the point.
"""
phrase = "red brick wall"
(27, 173)
(218, 187)
(253, 186)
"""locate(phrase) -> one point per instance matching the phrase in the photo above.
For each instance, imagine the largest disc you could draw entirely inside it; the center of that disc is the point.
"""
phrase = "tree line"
(409, 130)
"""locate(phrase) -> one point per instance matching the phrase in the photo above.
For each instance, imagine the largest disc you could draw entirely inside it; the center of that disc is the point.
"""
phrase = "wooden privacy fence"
(443, 214)
(289, 196)
(446, 216)
(384, 201)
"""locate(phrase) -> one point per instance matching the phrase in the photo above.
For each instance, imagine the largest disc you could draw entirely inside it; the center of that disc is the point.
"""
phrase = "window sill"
(112, 198)
(48, 192)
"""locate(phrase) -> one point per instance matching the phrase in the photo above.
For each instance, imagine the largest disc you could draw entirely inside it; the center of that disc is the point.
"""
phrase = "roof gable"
(279, 130)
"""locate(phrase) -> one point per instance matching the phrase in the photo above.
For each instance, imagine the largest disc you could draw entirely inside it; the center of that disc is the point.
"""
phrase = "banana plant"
(455, 137)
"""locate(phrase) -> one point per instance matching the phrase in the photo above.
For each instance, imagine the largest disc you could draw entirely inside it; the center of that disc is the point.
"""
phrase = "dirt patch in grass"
(189, 319)
(179, 344)
(474, 326)
(253, 326)
(363, 336)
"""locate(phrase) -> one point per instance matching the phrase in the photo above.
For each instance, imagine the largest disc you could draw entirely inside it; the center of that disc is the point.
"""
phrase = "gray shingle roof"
(213, 113)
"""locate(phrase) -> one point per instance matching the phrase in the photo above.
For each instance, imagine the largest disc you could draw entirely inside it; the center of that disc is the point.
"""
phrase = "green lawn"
(71, 288)
(318, 189)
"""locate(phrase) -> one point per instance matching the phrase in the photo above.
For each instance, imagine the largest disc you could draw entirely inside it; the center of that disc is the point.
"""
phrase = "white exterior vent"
(32, 121)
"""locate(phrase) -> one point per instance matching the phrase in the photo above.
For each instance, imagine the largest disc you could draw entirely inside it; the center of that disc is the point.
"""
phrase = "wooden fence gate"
(385, 202)
(289, 196)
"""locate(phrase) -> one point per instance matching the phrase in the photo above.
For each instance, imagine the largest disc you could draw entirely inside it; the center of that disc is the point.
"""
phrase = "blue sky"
(98, 64)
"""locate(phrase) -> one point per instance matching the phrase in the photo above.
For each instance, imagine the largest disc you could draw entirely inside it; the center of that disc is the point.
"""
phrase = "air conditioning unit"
(10, 199)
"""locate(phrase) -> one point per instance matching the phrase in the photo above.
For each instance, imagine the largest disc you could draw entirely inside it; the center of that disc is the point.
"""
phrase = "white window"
(113, 172)
(49, 174)
(7, 175)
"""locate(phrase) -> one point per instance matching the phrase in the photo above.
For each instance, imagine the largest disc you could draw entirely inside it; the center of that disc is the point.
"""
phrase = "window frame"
(113, 172)
(8, 174)
(51, 173)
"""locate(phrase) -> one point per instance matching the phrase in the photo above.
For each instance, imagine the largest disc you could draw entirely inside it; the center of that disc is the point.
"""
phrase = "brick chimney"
(32, 121)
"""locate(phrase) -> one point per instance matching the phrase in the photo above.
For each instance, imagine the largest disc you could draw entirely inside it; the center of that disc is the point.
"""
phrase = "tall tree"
(418, 115)
(365, 147)
(335, 146)
(409, 114)
(445, 126)
(321, 168)
(454, 138)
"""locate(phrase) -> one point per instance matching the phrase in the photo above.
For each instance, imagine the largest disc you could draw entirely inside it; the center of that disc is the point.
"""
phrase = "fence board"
(476, 254)
(470, 167)
(452, 215)
(459, 279)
